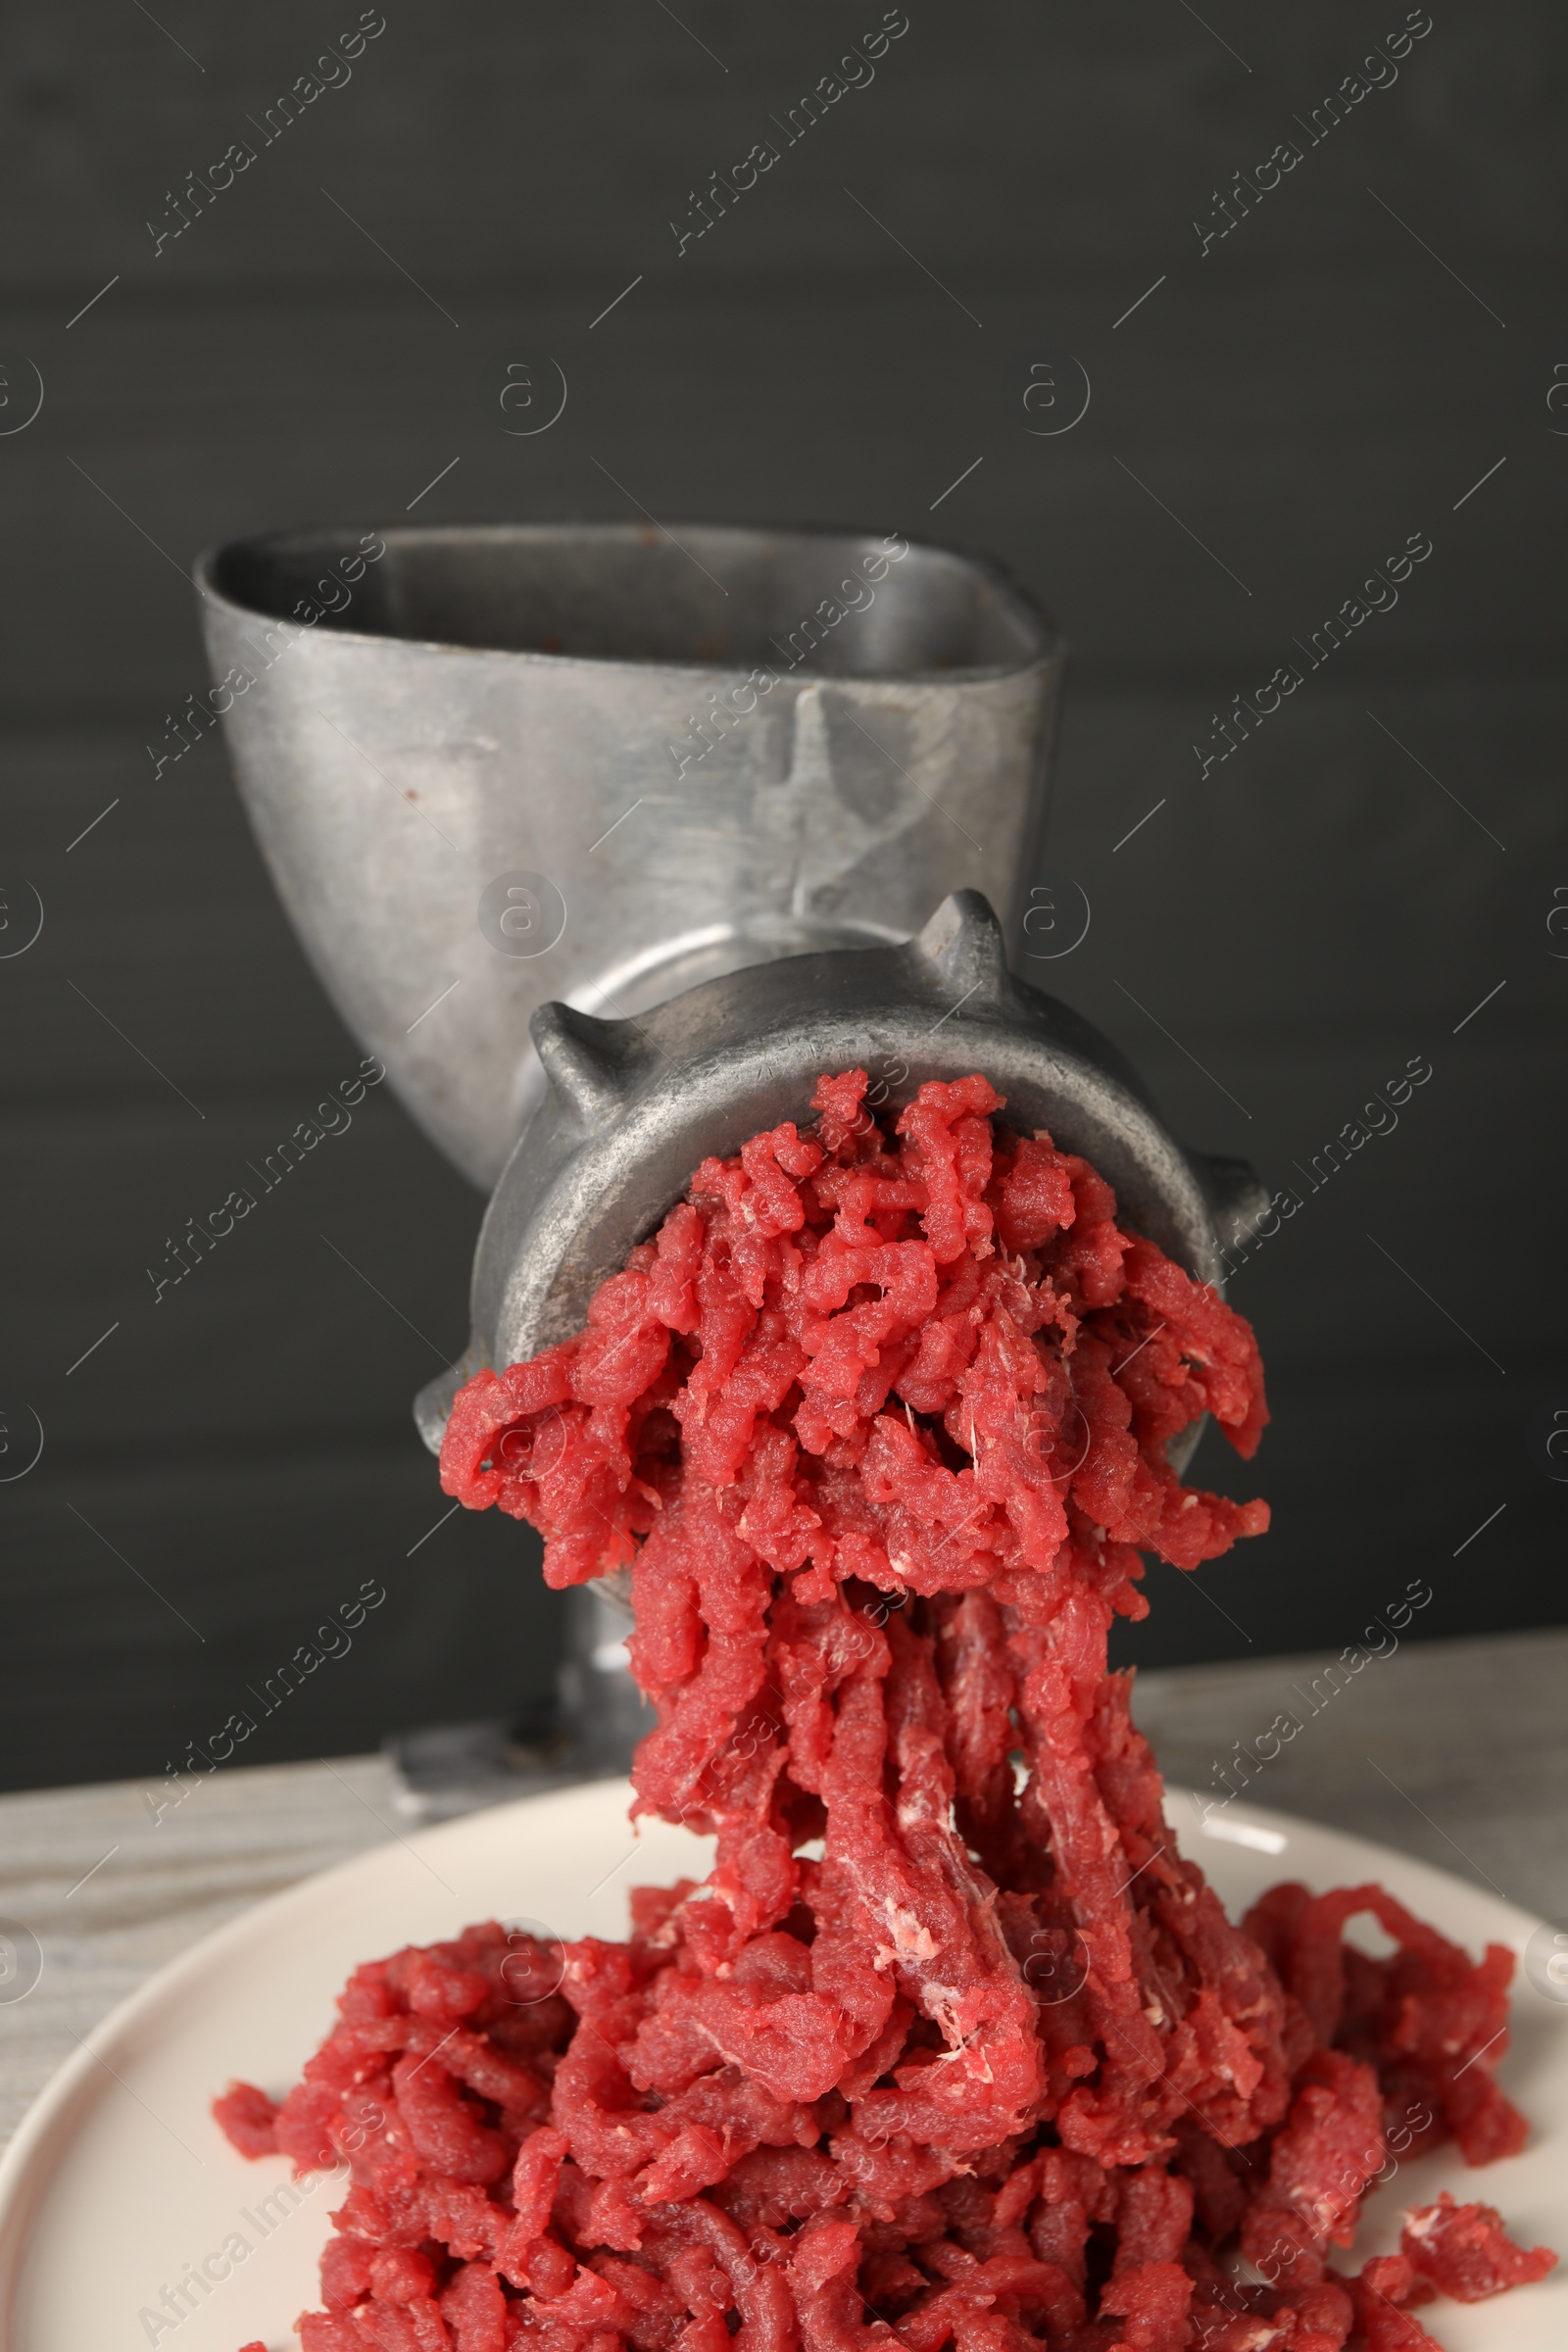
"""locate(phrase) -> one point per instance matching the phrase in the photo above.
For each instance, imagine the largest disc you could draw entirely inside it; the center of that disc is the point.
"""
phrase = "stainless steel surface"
(635, 1105)
(580, 712)
(588, 1733)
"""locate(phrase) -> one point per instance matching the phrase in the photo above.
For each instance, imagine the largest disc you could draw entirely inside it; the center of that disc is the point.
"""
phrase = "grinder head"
(634, 1106)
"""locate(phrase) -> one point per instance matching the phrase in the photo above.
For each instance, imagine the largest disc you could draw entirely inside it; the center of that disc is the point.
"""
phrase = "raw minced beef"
(952, 2044)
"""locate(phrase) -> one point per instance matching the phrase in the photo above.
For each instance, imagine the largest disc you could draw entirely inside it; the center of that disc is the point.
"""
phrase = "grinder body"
(714, 912)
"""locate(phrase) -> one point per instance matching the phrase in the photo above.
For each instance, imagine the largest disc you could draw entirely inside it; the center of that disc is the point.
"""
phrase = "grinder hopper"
(685, 805)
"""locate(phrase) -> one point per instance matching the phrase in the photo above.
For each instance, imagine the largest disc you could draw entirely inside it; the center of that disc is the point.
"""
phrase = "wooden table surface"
(1457, 1752)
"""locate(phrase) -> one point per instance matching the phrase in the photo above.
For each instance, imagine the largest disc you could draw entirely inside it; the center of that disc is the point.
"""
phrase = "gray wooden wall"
(1290, 402)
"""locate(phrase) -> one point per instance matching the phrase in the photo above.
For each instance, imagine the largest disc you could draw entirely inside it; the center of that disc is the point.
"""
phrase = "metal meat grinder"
(608, 841)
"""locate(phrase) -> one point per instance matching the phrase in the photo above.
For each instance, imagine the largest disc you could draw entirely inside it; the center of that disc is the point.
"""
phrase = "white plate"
(118, 2180)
